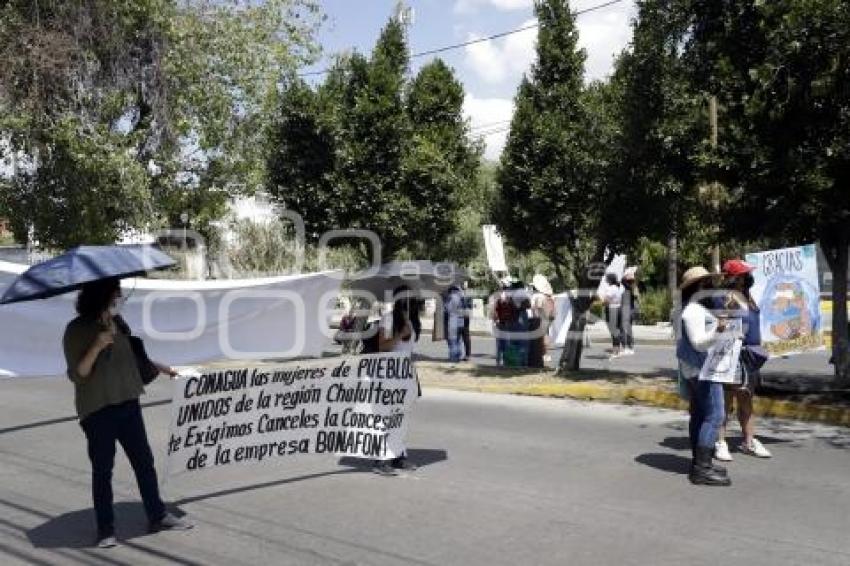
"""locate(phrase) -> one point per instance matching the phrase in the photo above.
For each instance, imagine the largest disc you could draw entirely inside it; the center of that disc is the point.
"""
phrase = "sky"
(490, 71)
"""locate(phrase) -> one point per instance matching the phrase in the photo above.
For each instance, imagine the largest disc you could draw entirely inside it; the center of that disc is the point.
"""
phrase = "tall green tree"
(553, 178)
(441, 164)
(782, 72)
(369, 149)
(179, 86)
(662, 128)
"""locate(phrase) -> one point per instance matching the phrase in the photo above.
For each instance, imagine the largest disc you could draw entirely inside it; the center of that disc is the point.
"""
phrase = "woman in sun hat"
(740, 303)
(542, 305)
(699, 330)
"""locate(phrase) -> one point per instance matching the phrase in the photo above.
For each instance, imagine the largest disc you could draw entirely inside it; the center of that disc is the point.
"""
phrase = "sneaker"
(385, 468)
(721, 451)
(170, 523)
(756, 448)
(403, 463)
(107, 542)
(629, 352)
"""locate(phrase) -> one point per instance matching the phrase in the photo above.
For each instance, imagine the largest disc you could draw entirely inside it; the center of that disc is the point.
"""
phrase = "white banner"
(494, 248)
(181, 322)
(355, 406)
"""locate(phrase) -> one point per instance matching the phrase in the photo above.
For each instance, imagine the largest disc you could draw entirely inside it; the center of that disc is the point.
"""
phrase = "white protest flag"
(494, 248)
(355, 406)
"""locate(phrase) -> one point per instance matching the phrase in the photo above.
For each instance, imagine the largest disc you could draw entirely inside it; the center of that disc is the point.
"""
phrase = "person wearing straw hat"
(700, 329)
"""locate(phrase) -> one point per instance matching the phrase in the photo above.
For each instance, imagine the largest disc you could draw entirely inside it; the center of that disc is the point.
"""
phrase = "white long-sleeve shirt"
(701, 326)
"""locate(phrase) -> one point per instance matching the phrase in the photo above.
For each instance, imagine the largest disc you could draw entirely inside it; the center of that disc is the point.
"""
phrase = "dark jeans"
(103, 427)
(467, 341)
(612, 316)
(707, 413)
(627, 319)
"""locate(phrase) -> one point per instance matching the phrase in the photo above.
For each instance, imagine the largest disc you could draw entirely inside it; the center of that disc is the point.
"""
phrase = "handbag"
(147, 369)
(754, 357)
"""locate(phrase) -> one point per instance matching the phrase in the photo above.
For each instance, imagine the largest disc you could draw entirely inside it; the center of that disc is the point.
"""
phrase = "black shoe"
(716, 467)
(703, 472)
(402, 463)
(170, 522)
(385, 468)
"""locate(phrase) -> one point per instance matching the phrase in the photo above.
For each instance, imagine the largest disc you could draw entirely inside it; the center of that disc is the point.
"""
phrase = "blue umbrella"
(78, 266)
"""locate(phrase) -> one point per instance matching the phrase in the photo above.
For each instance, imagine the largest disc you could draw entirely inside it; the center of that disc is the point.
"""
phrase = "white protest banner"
(494, 248)
(787, 292)
(355, 406)
(721, 363)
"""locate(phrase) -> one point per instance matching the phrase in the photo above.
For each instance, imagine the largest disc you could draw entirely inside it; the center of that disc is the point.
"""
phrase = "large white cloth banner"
(355, 406)
(495, 248)
(181, 322)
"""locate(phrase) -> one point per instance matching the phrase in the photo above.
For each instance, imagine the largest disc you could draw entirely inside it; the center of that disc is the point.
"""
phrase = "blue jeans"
(707, 413)
(103, 427)
(454, 338)
(501, 346)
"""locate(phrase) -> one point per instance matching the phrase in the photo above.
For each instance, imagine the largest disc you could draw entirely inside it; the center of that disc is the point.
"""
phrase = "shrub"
(655, 306)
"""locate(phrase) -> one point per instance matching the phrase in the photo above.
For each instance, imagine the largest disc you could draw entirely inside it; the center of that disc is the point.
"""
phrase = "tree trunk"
(673, 270)
(571, 356)
(837, 248)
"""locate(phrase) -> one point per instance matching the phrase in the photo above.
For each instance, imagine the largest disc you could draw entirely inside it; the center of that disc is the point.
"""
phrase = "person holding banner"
(740, 302)
(699, 330)
(107, 386)
(398, 333)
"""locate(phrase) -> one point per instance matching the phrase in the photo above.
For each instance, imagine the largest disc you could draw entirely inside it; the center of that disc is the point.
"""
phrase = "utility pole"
(715, 188)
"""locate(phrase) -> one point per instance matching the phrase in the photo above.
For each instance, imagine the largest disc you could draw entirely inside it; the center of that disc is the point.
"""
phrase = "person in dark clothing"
(107, 386)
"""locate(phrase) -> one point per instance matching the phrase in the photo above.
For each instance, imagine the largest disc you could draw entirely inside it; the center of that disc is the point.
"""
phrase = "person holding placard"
(699, 331)
(612, 297)
(398, 332)
(740, 301)
(107, 386)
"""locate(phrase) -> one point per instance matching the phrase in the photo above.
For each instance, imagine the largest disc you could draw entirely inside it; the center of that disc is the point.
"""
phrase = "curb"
(657, 397)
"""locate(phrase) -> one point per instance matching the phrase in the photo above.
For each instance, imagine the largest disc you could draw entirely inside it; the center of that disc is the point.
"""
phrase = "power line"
(482, 39)
(490, 125)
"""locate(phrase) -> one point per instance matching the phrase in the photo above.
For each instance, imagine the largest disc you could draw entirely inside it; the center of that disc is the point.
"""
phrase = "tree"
(300, 162)
(662, 127)
(553, 178)
(368, 150)
(176, 85)
(783, 70)
(441, 164)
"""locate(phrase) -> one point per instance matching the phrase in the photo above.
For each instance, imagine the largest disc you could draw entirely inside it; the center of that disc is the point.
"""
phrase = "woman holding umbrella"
(107, 386)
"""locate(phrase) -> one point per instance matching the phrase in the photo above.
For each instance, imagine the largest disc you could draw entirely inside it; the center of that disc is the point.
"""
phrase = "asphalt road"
(504, 480)
(648, 359)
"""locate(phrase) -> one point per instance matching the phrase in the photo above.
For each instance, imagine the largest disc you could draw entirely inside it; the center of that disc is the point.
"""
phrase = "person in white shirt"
(700, 329)
(612, 297)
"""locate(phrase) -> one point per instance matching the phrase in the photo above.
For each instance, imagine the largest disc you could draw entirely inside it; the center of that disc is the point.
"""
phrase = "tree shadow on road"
(671, 463)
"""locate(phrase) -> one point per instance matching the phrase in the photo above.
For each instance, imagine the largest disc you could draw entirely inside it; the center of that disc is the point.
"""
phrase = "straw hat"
(693, 275)
(541, 284)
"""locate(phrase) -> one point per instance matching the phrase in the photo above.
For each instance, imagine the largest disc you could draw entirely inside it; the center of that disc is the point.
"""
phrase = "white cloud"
(498, 60)
(603, 34)
(489, 116)
(472, 6)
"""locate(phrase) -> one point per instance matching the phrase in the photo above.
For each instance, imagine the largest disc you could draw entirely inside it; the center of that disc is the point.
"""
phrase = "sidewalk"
(831, 407)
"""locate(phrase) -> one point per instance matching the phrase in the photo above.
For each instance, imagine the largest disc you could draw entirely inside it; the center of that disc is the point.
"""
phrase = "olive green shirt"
(114, 377)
